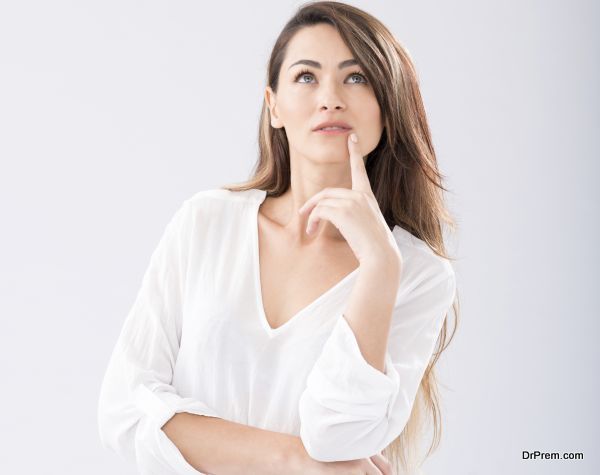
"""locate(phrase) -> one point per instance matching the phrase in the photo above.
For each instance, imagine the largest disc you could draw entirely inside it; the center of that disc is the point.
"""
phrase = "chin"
(331, 158)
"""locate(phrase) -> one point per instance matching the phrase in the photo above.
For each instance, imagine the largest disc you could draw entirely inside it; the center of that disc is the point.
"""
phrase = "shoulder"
(214, 208)
(216, 201)
(422, 267)
(209, 212)
(220, 196)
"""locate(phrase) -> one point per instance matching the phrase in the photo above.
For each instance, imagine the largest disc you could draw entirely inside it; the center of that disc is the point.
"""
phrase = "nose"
(331, 99)
(336, 107)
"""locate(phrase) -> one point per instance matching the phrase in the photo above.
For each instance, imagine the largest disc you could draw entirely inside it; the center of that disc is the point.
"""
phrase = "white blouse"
(197, 340)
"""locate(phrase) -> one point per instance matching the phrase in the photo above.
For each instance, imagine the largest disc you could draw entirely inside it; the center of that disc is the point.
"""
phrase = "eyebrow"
(316, 64)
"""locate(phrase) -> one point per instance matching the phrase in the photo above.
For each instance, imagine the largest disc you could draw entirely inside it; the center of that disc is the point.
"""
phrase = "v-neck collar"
(271, 332)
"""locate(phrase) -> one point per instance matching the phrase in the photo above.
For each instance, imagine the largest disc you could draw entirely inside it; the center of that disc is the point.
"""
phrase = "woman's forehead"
(323, 45)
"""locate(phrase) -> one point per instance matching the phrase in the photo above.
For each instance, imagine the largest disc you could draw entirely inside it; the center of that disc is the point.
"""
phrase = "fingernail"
(354, 138)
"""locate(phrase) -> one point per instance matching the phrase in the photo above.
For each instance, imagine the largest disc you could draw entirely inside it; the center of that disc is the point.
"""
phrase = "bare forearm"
(220, 447)
(370, 306)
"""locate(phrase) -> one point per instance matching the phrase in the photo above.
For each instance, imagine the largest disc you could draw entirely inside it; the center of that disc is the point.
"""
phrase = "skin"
(330, 198)
(318, 161)
(330, 187)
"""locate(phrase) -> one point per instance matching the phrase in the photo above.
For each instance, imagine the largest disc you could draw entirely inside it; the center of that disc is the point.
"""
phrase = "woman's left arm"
(351, 409)
(369, 309)
(357, 216)
(360, 392)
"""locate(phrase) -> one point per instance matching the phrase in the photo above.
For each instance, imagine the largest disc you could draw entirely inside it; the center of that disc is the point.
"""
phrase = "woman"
(288, 324)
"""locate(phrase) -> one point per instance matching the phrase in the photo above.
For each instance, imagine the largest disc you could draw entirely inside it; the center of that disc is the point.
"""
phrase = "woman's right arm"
(137, 397)
(138, 405)
(222, 447)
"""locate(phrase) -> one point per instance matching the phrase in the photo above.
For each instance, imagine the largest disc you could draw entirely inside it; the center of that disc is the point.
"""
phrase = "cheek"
(296, 111)
(371, 113)
(371, 124)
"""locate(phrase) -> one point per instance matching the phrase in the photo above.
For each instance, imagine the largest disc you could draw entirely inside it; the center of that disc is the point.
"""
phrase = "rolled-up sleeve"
(137, 397)
(351, 410)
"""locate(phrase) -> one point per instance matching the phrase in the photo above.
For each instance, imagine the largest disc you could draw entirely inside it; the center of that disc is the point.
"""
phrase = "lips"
(340, 124)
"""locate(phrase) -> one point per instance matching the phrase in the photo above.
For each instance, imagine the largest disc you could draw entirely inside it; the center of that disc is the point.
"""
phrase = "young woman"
(289, 324)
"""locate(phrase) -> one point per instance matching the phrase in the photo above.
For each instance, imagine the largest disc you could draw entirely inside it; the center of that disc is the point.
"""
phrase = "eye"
(356, 73)
(306, 72)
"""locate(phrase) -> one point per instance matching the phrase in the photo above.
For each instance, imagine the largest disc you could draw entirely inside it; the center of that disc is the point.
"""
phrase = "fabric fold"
(344, 381)
(137, 397)
(351, 410)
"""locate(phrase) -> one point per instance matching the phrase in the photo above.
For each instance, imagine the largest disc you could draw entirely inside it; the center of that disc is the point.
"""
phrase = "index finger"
(360, 179)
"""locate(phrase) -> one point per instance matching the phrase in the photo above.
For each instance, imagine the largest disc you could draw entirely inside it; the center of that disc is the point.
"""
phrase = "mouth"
(333, 130)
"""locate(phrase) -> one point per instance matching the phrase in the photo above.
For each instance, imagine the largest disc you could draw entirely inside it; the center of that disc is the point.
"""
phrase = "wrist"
(388, 263)
(292, 457)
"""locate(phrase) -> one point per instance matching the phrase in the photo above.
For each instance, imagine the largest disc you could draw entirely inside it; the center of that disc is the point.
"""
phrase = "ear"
(270, 99)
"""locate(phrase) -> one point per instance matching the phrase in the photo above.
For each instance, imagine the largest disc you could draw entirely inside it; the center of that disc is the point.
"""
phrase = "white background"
(112, 113)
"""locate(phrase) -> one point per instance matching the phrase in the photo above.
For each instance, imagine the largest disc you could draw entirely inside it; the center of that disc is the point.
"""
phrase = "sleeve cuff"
(343, 381)
(161, 406)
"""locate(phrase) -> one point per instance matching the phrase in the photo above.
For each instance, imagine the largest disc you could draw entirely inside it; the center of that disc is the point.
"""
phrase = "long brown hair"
(402, 168)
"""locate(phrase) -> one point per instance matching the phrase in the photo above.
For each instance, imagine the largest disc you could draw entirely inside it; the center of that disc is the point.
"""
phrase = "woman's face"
(326, 93)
